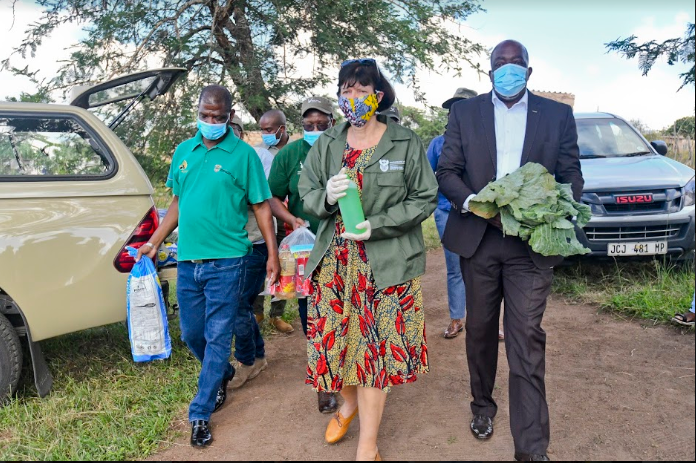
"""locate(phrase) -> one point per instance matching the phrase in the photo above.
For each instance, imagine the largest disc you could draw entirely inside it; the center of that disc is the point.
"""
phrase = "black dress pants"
(501, 269)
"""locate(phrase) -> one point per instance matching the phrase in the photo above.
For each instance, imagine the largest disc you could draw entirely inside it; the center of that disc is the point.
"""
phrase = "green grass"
(103, 406)
(652, 290)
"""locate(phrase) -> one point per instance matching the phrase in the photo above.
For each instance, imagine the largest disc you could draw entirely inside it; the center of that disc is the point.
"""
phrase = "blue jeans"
(248, 342)
(456, 294)
(209, 296)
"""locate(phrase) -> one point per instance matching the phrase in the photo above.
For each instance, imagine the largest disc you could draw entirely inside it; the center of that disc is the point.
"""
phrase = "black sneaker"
(200, 434)
(529, 457)
(222, 393)
(482, 427)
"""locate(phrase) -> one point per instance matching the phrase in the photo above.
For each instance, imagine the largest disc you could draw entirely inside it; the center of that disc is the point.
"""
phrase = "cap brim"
(316, 108)
(447, 104)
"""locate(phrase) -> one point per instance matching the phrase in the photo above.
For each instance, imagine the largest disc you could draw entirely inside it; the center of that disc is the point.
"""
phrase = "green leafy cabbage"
(533, 206)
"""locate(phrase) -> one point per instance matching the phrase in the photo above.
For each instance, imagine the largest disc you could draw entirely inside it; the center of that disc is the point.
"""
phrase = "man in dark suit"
(487, 138)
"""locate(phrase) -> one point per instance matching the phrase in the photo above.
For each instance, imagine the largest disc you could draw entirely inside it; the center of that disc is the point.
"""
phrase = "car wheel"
(10, 359)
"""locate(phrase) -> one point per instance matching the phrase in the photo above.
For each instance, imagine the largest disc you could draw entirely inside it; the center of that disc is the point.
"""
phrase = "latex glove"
(364, 236)
(336, 187)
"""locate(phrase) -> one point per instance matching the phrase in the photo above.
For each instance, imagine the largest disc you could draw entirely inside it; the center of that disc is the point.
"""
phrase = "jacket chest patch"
(396, 165)
(384, 165)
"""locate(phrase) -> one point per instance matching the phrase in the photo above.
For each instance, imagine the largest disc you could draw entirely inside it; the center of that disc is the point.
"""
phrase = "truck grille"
(665, 201)
(651, 232)
(628, 208)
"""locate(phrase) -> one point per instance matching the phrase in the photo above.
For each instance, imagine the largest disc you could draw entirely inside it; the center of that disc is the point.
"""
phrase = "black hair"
(217, 93)
(367, 74)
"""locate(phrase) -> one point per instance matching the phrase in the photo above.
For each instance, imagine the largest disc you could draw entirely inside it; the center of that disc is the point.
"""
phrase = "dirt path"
(616, 391)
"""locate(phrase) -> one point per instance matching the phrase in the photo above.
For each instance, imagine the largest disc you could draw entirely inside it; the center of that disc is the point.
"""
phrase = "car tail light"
(141, 235)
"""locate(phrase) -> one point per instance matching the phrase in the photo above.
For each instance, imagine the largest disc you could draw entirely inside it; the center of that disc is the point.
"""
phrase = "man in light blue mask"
(214, 245)
(273, 125)
(511, 127)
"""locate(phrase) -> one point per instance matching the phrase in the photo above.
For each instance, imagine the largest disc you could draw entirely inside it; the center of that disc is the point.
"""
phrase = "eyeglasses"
(321, 127)
(363, 62)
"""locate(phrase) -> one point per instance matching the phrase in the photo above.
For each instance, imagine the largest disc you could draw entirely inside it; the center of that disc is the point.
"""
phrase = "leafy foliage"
(683, 126)
(676, 50)
(533, 206)
(427, 124)
(269, 53)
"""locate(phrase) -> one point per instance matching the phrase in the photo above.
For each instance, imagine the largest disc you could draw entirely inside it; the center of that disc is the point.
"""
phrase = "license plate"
(642, 248)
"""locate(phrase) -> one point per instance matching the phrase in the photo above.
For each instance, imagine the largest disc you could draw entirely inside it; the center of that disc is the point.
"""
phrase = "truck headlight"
(689, 193)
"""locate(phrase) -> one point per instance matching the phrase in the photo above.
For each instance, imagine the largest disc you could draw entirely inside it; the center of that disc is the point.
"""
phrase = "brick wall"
(561, 97)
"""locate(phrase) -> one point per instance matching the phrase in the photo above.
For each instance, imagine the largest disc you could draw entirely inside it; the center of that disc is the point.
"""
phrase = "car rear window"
(55, 147)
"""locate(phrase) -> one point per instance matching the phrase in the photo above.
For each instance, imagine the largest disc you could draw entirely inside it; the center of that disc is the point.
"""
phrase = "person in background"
(393, 113)
(275, 137)
(237, 126)
(249, 345)
(274, 131)
(456, 294)
(488, 137)
(687, 318)
(366, 317)
(317, 116)
(213, 244)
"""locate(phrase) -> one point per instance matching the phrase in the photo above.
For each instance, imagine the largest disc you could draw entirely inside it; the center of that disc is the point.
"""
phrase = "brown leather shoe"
(455, 327)
(338, 427)
(327, 402)
(259, 318)
(281, 325)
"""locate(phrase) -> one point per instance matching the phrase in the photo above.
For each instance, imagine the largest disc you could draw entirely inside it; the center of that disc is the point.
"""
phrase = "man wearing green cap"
(317, 116)
(455, 284)
(393, 113)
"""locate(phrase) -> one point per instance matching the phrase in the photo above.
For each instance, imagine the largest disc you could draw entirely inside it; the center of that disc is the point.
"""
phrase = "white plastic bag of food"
(147, 314)
(294, 254)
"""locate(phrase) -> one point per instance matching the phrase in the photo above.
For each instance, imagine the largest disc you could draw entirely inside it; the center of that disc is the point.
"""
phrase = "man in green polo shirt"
(213, 176)
(317, 116)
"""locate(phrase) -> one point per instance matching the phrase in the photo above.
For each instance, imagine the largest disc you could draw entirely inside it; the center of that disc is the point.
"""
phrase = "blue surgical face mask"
(212, 131)
(510, 80)
(312, 137)
(269, 139)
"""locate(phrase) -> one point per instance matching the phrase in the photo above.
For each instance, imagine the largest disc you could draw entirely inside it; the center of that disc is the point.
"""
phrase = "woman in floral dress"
(365, 320)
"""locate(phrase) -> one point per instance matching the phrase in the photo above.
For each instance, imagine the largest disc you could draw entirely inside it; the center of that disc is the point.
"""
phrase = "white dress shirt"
(510, 130)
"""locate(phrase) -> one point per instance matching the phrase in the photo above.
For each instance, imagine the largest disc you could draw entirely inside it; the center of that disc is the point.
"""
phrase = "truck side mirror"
(660, 147)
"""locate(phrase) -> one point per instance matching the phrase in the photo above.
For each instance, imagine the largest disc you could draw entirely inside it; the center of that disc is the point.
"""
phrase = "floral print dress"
(359, 335)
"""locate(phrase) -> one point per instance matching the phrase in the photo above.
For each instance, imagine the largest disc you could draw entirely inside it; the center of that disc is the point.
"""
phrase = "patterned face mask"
(358, 110)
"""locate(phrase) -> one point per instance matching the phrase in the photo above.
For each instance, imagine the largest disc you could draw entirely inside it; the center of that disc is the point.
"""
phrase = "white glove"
(336, 187)
(364, 236)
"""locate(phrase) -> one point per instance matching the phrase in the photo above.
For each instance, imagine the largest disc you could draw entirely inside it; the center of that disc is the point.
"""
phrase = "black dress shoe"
(200, 434)
(529, 457)
(222, 393)
(482, 427)
(327, 402)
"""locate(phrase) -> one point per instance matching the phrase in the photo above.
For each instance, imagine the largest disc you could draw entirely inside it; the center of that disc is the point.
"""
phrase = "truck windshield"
(600, 138)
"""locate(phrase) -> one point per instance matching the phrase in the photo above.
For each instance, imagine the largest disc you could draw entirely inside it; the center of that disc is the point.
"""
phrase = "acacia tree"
(260, 49)
(680, 49)
(254, 45)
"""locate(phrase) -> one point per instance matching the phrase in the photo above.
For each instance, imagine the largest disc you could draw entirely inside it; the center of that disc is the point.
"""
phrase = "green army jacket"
(399, 193)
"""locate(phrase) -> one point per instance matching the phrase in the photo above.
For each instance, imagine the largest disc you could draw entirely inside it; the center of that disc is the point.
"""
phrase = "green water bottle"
(351, 209)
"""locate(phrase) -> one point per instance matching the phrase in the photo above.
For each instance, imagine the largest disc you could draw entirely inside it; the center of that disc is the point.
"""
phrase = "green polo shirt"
(284, 176)
(214, 187)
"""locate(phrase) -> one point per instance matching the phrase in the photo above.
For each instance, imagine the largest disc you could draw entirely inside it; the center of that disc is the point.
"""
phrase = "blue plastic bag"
(147, 314)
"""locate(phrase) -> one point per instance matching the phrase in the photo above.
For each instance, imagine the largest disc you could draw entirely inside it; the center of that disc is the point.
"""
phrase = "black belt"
(201, 261)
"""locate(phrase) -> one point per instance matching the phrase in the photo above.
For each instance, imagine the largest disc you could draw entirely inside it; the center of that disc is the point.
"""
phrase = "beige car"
(72, 197)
